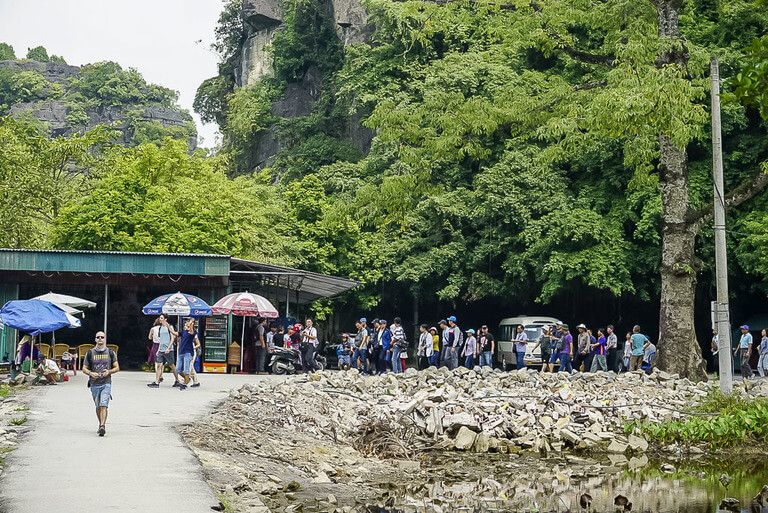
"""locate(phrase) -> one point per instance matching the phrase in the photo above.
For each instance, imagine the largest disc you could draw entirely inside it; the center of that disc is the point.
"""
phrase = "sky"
(167, 41)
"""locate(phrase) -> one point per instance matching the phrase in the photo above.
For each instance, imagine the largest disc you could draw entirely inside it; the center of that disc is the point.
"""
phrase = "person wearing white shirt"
(49, 370)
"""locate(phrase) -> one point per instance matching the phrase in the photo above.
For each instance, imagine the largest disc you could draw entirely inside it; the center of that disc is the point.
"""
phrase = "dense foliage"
(516, 150)
(720, 421)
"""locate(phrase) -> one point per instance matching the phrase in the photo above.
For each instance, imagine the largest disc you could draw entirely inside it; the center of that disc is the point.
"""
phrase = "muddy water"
(501, 484)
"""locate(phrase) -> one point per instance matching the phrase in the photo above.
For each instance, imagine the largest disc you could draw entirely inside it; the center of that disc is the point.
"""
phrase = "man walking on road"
(99, 365)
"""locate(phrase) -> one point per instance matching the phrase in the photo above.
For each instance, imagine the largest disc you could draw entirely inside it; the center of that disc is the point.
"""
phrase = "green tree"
(38, 176)
(38, 53)
(6, 52)
(161, 198)
(108, 84)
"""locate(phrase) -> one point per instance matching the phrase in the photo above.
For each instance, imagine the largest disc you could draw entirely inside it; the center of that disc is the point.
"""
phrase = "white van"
(505, 347)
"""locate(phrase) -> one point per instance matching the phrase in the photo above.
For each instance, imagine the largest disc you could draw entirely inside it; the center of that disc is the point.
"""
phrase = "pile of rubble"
(479, 410)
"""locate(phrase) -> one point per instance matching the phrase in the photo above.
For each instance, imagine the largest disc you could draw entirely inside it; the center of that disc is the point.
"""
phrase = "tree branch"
(590, 85)
(734, 198)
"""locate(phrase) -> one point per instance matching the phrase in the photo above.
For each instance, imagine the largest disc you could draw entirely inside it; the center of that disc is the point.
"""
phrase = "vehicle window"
(505, 332)
(533, 332)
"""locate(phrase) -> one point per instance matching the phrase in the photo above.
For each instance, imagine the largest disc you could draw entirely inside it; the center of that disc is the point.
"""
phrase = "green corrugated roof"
(113, 262)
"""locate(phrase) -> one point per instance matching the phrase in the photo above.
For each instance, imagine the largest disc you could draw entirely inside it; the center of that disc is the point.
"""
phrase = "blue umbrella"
(35, 317)
(177, 304)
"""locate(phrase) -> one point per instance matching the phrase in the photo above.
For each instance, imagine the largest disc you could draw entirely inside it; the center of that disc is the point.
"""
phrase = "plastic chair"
(113, 347)
(58, 350)
(45, 350)
(82, 350)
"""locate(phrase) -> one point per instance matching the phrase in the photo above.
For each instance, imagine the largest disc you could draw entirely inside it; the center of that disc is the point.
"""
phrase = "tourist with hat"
(745, 346)
(582, 349)
(434, 360)
(455, 340)
(470, 349)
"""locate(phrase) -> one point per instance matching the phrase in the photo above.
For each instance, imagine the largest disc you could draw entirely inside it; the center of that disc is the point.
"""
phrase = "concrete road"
(141, 464)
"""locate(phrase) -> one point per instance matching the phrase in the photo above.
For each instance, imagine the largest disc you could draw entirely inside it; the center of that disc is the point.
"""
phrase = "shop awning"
(308, 286)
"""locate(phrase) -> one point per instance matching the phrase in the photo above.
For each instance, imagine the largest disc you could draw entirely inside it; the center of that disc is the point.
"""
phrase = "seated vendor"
(344, 353)
(49, 370)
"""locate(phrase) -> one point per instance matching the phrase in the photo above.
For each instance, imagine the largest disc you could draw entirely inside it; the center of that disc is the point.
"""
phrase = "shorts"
(168, 358)
(554, 357)
(101, 394)
(184, 363)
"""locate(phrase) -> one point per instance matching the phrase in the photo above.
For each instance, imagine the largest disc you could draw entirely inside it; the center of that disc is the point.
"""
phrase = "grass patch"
(19, 421)
(5, 390)
(719, 420)
(225, 502)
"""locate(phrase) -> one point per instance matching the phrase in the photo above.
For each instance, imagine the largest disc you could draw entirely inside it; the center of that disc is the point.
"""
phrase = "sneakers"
(177, 384)
(182, 386)
(194, 385)
(153, 385)
(102, 430)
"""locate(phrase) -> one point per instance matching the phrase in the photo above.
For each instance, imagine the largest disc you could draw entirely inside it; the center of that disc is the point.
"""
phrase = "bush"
(720, 420)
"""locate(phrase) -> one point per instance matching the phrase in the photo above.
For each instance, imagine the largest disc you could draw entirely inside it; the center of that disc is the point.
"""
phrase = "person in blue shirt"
(745, 346)
(385, 340)
(762, 364)
(637, 341)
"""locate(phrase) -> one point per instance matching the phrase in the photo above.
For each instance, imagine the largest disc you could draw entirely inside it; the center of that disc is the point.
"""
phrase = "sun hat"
(452, 318)
(432, 329)
(471, 331)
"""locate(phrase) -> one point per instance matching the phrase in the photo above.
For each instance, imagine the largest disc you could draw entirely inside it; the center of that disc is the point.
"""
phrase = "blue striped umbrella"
(177, 304)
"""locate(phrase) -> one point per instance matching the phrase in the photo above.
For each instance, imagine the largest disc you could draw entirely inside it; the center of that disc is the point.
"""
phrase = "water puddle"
(518, 484)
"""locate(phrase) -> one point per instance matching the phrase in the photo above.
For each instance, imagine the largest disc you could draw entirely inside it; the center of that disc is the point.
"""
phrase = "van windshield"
(507, 331)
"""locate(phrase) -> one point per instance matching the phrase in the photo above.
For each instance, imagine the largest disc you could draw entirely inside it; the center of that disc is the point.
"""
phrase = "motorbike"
(286, 360)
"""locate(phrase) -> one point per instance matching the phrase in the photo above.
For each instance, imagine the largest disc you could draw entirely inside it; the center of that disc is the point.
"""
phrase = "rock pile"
(476, 410)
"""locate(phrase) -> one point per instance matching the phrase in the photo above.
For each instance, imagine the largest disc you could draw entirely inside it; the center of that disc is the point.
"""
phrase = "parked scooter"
(288, 361)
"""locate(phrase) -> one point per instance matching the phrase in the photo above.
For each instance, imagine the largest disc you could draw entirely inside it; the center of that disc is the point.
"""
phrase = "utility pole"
(721, 257)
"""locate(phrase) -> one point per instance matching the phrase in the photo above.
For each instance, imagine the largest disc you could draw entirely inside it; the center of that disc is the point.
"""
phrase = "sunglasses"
(99, 336)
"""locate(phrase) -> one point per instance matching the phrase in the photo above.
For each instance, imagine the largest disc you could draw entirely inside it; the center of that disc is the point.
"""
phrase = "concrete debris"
(398, 415)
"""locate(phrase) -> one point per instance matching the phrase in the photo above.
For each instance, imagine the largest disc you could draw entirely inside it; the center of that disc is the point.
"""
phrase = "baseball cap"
(581, 326)
(564, 326)
(363, 319)
(471, 331)
(452, 318)
(383, 321)
(744, 327)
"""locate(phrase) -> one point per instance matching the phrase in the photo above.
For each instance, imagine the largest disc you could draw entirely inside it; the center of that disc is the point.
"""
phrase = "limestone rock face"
(351, 21)
(52, 71)
(262, 19)
(54, 113)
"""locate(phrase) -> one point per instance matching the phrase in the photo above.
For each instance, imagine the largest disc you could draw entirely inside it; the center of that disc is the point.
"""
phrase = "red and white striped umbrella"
(245, 304)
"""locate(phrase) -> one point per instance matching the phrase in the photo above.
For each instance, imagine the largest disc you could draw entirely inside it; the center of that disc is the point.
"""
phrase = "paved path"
(141, 465)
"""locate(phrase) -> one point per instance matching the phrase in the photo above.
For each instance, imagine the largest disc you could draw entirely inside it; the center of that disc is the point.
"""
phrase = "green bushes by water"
(720, 420)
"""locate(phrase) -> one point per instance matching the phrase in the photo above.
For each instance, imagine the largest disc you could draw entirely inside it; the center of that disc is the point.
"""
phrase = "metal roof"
(309, 285)
(113, 262)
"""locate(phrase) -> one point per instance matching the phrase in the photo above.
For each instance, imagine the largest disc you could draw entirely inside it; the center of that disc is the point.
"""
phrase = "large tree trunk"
(678, 348)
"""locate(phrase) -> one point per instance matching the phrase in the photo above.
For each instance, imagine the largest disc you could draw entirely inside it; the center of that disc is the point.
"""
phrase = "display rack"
(215, 344)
